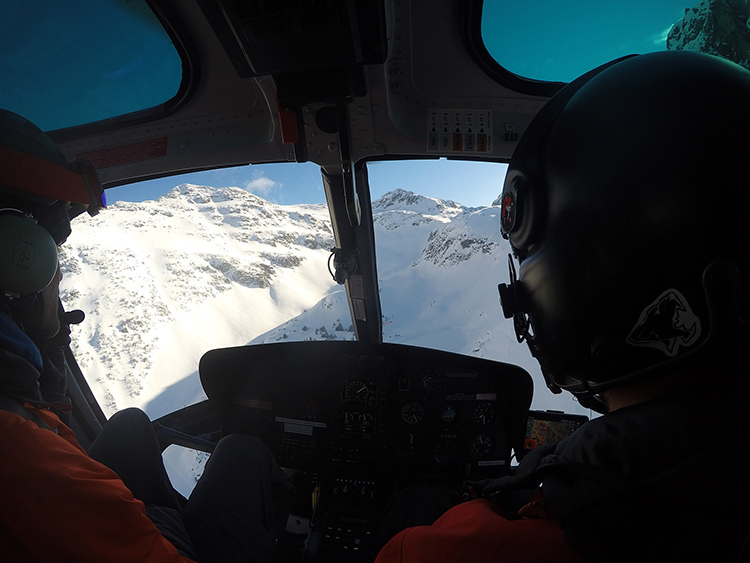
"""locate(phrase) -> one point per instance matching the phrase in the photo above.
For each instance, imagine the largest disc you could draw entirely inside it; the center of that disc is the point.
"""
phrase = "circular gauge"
(412, 413)
(429, 382)
(409, 444)
(365, 417)
(404, 383)
(448, 416)
(484, 414)
(347, 416)
(357, 391)
(482, 446)
(444, 452)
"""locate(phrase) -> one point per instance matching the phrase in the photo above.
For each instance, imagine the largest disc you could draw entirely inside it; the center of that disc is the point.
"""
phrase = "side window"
(555, 41)
(69, 66)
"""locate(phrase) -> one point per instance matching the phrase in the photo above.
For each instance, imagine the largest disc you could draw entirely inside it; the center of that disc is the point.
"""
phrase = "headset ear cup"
(28, 256)
(524, 198)
(522, 215)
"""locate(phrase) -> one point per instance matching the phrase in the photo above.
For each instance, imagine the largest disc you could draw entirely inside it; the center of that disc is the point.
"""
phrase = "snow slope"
(164, 281)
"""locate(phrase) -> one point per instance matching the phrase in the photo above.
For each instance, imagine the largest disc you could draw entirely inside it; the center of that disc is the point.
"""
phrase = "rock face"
(717, 27)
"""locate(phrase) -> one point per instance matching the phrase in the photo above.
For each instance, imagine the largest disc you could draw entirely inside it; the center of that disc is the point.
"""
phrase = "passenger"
(627, 203)
(56, 502)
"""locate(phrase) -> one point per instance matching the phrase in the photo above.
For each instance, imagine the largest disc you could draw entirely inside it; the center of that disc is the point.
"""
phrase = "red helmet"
(39, 192)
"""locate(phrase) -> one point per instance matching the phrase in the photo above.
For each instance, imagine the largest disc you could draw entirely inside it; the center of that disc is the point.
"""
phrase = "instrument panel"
(382, 409)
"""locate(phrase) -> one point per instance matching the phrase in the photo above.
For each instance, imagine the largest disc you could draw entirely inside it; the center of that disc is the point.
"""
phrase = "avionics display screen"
(545, 428)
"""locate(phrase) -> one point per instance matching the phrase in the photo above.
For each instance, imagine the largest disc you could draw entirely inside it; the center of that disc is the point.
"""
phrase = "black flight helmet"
(628, 193)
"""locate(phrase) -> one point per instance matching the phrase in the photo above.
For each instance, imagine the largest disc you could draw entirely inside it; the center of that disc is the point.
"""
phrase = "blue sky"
(475, 184)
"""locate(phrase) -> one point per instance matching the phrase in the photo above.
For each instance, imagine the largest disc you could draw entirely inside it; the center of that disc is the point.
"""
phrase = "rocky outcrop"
(717, 27)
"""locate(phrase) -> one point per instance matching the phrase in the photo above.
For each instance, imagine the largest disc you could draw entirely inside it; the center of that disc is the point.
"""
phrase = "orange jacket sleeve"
(57, 504)
(476, 531)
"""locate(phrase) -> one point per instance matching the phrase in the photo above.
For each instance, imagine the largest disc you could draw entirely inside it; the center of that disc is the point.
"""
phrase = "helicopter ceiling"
(289, 81)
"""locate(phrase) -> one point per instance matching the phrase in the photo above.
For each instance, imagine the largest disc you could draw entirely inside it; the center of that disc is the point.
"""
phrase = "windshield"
(440, 259)
(240, 256)
(556, 41)
(194, 266)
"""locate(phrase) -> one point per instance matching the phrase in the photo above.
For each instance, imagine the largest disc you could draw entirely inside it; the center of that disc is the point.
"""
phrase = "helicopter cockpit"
(148, 91)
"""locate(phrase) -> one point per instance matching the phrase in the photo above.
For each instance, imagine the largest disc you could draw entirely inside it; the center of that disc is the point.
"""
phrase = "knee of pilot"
(132, 416)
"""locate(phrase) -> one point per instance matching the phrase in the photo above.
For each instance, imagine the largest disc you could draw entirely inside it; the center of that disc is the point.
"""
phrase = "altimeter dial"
(483, 414)
(482, 446)
(412, 413)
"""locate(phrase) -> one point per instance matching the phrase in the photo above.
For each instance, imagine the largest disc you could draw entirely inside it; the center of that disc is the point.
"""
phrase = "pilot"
(114, 503)
(626, 204)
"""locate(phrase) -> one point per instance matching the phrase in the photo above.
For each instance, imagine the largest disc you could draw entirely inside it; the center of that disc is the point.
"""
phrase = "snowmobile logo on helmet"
(508, 212)
(667, 324)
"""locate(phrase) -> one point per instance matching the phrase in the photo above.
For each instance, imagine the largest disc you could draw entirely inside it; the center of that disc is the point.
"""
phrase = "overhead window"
(557, 41)
(76, 62)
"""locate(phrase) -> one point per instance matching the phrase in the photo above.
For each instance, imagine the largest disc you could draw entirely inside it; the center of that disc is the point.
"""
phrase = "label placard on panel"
(460, 131)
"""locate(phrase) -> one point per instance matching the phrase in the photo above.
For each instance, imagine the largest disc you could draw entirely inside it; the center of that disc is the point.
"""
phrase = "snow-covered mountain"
(717, 27)
(164, 281)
